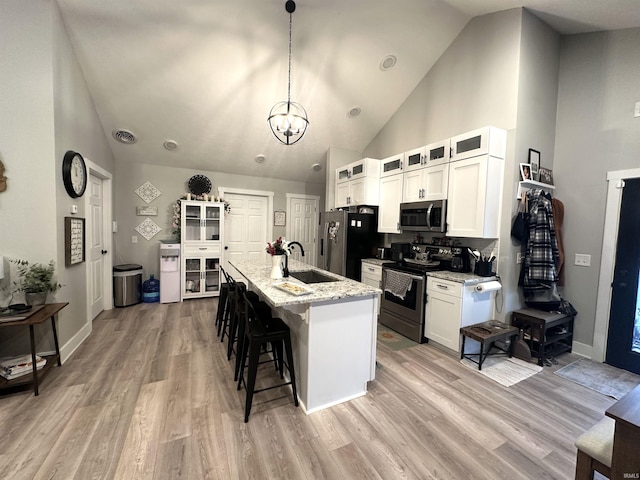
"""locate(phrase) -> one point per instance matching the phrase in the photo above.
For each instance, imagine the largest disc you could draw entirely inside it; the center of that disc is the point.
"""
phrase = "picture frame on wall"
(546, 176)
(534, 161)
(74, 240)
(525, 172)
(279, 218)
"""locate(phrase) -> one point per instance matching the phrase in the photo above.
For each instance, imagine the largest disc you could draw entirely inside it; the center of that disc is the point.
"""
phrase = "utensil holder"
(484, 269)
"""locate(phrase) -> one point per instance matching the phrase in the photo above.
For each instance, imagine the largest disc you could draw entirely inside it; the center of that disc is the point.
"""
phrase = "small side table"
(549, 333)
(487, 332)
(35, 316)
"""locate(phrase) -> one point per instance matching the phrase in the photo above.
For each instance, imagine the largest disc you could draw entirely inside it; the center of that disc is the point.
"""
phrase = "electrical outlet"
(518, 258)
(134, 239)
(582, 259)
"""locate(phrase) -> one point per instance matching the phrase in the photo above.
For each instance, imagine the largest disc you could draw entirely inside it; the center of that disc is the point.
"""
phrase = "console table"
(36, 316)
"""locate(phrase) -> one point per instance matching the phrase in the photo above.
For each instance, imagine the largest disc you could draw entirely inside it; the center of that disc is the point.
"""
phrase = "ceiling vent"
(124, 136)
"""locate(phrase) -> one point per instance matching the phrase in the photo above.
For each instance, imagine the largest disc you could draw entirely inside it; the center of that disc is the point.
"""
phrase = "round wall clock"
(199, 184)
(74, 174)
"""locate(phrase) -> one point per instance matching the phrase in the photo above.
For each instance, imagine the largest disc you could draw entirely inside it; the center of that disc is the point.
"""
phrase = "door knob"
(226, 248)
(104, 252)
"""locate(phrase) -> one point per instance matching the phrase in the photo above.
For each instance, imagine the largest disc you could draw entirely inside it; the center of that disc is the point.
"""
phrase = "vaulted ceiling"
(205, 74)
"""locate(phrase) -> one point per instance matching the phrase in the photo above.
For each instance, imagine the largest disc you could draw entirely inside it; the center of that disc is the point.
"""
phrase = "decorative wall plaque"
(148, 229)
(73, 240)
(148, 192)
(148, 211)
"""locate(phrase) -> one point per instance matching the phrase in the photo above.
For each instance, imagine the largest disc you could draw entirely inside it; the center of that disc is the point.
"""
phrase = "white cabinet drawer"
(372, 270)
(444, 286)
(202, 249)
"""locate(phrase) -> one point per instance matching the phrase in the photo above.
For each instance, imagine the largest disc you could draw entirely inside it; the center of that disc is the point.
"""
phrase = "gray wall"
(172, 182)
(596, 133)
(45, 110)
(473, 84)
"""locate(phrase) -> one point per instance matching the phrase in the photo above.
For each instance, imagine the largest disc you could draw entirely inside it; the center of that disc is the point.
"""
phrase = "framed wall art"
(534, 161)
(546, 176)
(279, 218)
(525, 172)
(74, 237)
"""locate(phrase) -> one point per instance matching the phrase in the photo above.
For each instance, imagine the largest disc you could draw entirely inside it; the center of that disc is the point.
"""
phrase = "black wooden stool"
(256, 335)
(487, 332)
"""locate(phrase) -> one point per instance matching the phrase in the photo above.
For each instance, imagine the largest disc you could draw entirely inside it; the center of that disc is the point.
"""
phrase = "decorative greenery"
(279, 247)
(35, 277)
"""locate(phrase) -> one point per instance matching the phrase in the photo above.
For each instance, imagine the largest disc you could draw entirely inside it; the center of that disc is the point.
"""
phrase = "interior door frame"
(615, 180)
(107, 240)
(316, 219)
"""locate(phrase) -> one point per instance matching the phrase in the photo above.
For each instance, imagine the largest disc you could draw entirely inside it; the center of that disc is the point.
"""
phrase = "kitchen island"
(333, 331)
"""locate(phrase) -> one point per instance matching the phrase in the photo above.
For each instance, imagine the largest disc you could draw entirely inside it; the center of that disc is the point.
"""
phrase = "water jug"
(151, 290)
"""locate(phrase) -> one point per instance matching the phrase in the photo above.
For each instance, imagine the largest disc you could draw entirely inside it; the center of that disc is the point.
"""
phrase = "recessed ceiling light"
(124, 136)
(260, 158)
(170, 145)
(388, 62)
(316, 167)
(354, 111)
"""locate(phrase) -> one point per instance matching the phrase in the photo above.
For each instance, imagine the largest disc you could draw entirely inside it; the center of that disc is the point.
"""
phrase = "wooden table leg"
(55, 338)
(33, 360)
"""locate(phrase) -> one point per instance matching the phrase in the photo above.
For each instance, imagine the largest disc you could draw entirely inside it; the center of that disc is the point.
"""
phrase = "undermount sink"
(312, 276)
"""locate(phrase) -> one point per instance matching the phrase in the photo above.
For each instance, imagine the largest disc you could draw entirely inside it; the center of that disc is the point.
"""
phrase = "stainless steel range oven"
(403, 311)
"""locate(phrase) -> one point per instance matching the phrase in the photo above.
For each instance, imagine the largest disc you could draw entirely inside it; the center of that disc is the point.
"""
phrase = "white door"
(302, 226)
(247, 228)
(96, 250)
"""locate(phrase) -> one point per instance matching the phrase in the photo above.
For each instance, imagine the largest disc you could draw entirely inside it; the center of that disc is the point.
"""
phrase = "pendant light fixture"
(288, 120)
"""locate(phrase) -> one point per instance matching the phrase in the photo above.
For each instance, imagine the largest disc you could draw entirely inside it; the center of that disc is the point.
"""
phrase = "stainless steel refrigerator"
(347, 239)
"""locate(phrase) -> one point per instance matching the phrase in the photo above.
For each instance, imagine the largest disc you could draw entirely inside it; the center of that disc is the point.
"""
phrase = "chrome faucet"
(285, 270)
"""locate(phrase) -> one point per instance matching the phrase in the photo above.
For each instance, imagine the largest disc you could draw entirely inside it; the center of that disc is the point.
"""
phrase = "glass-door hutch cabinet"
(202, 225)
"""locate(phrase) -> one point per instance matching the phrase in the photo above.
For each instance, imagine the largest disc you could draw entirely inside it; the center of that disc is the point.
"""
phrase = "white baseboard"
(68, 348)
(582, 349)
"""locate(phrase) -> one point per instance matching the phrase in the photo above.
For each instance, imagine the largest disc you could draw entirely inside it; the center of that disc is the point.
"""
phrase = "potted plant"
(35, 280)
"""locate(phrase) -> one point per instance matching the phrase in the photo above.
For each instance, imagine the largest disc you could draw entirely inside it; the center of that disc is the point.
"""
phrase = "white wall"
(596, 133)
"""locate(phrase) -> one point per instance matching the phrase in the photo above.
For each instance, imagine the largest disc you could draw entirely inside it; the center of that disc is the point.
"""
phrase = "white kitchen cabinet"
(201, 233)
(427, 183)
(371, 275)
(415, 159)
(389, 210)
(358, 183)
(483, 141)
(450, 306)
(392, 165)
(474, 197)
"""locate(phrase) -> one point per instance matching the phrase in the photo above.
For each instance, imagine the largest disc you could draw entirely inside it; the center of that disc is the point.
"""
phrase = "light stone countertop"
(376, 261)
(464, 278)
(258, 274)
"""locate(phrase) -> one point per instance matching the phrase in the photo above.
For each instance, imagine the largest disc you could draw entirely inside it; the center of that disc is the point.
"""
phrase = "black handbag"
(520, 226)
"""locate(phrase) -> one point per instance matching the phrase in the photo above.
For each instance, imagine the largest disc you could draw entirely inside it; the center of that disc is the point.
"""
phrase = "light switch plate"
(582, 260)
(636, 112)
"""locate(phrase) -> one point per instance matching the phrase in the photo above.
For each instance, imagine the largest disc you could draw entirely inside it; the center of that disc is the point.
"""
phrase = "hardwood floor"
(150, 395)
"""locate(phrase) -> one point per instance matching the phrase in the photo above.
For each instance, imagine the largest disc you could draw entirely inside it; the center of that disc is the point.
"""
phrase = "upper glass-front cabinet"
(201, 221)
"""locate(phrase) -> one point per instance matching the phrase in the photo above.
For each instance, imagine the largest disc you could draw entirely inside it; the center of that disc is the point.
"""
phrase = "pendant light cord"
(289, 82)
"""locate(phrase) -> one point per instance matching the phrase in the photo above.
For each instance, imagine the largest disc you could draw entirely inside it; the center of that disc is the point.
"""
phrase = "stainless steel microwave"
(424, 216)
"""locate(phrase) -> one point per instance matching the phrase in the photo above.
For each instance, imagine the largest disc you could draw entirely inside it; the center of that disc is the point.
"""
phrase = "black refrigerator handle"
(322, 247)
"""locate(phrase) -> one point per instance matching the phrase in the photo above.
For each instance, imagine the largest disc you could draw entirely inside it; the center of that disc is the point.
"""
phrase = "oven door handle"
(413, 277)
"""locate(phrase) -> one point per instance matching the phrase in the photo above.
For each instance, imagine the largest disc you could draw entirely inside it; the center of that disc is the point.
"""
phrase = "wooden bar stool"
(256, 335)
